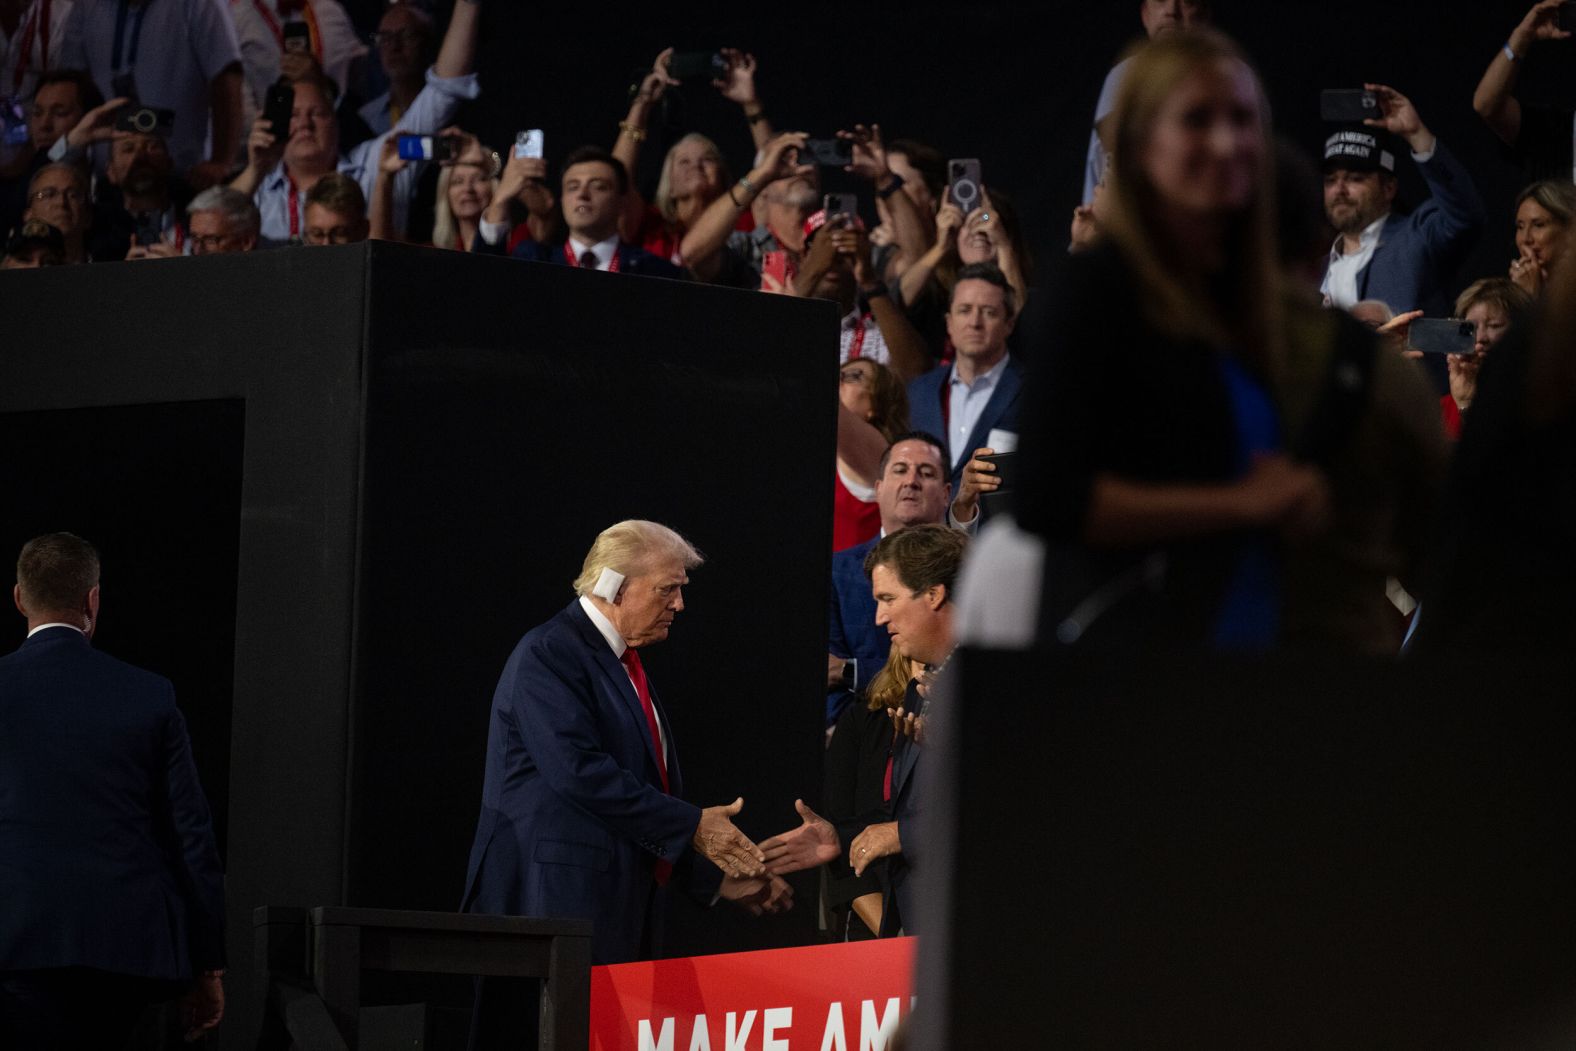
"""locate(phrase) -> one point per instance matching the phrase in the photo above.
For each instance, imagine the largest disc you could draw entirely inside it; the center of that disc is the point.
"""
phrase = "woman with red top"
(1492, 305)
(873, 410)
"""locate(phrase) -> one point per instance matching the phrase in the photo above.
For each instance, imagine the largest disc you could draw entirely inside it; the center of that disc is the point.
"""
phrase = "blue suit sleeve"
(197, 867)
(556, 722)
(1455, 212)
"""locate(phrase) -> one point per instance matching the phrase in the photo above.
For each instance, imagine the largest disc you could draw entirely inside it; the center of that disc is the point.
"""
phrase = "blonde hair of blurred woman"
(1247, 315)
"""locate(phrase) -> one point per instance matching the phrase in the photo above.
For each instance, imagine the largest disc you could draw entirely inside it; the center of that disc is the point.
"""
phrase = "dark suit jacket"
(1001, 411)
(632, 259)
(107, 856)
(573, 816)
(852, 632)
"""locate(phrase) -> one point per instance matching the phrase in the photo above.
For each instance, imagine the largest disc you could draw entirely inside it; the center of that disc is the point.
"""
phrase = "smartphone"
(150, 230)
(693, 65)
(14, 117)
(297, 37)
(530, 143)
(145, 120)
(963, 182)
(1347, 106)
(840, 204)
(774, 265)
(1433, 335)
(278, 107)
(438, 148)
(1566, 17)
(1006, 470)
(829, 153)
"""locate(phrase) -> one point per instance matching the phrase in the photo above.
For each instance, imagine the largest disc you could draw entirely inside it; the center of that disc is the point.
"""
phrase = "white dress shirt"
(616, 643)
(966, 404)
(55, 624)
(1340, 279)
(604, 251)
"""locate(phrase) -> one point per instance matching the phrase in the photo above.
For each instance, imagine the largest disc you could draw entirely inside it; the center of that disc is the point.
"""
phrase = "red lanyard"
(38, 26)
(278, 30)
(859, 339)
(569, 254)
(294, 199)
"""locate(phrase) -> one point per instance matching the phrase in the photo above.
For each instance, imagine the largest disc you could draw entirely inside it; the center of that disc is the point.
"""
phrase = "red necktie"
(588, 262)
(637, 676)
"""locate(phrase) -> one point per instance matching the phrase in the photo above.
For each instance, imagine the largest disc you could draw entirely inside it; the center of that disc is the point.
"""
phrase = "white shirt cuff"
(492, 233)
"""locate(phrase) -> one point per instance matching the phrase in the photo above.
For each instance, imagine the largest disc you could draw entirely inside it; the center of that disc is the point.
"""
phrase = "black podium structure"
(1185, 851)
(332, 487)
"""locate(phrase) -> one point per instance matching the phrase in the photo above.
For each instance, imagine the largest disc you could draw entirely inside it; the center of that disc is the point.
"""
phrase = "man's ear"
(16, 596)
(936, 596)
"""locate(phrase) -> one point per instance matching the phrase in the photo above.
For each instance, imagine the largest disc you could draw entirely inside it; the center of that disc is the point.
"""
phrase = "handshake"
(752, 875)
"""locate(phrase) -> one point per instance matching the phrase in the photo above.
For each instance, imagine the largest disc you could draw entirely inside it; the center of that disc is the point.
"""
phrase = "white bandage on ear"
(607, 585)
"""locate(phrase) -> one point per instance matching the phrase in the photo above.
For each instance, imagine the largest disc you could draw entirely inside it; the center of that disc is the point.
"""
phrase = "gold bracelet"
(634, 132)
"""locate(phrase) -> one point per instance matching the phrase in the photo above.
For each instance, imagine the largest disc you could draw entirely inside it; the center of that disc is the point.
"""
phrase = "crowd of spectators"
(1233, 435)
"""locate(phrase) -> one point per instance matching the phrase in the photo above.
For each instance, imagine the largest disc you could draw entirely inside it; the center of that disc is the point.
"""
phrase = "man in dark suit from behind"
(111, 894)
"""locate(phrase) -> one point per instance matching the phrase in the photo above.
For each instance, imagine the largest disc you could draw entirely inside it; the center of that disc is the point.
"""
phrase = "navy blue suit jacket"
(1001, 411)
(107, 856)
(1417, 254)
(852, 632)
(632, 259)
(573, 817)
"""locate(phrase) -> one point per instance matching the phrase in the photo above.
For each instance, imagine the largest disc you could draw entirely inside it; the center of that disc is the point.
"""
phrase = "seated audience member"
(59, 103)
(58, 195)
(269, 50)
(837, 266)
(694, 174)
(988, 234)
(32, 245)
(221, 220)
(592, 193)
(1492, 305)
(964, 403)
(1540, 138)
(181, 55)
(913, 577)
(1404, 260)
(140, 201)
(405, 47)
(1544, 214)
(872, 411)
(466, 187)
(279, 174)
(336, 211)
(911, 489)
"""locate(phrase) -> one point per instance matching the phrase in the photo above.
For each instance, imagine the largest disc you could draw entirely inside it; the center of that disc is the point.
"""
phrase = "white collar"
(609, 633)
(55, 624)
(988, 377)
(604, 250)
(1365, 240)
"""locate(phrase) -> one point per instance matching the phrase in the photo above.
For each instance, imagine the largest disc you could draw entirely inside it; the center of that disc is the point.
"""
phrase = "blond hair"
(632, 547)
(446, 228)
(1245, 314)
(663, 198)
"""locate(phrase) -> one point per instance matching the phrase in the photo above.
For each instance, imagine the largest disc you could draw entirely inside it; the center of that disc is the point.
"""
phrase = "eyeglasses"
(202, 244)
(70, 193)
(337, 235)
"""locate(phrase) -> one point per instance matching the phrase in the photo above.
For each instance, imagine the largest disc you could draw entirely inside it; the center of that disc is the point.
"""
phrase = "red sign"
(846, 997)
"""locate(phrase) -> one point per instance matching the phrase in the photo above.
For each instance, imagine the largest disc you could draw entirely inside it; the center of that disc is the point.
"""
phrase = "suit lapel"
(995, 409)
(618, 678)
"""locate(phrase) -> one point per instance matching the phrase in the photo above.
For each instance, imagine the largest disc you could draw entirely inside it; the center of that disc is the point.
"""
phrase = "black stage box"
(334, 486)
(1151, 851)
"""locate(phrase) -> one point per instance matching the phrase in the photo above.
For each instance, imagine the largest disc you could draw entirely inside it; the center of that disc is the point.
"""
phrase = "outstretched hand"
(767, 895)
(875, 842)
(813, 843)
(721, 842)
(1400, 118)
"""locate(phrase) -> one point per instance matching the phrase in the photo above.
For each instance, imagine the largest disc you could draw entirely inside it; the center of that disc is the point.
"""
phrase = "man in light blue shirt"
(965, 402)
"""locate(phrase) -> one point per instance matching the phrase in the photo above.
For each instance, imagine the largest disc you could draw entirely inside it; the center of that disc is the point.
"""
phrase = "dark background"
(1012, 84)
